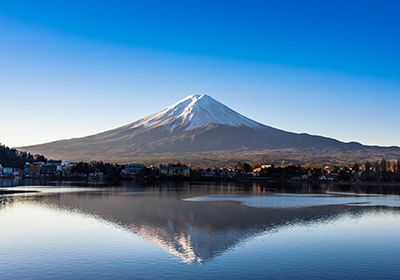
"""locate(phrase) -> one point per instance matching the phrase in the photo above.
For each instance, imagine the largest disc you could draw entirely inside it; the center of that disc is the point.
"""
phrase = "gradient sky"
(74, 68)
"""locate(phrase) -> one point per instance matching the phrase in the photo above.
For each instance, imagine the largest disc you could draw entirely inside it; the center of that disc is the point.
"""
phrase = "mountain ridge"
(197, 124)
(195, 111)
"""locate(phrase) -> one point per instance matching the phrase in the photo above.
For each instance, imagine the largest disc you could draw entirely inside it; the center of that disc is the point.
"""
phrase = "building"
(51, 168)
(175, 170)
(1, 170)
(262, 169)
(48, 170)
(35, 169)
(27, 169)
(56, 163)
(132, 169)
(96, 176)
(66, 164)
(9, 172)
(208, 172)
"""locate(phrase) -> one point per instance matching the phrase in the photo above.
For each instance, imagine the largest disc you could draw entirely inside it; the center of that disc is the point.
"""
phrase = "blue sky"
(73, 68)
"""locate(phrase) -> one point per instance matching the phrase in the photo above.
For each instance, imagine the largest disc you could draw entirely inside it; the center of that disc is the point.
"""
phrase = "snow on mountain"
(199, 125)
(193, 112)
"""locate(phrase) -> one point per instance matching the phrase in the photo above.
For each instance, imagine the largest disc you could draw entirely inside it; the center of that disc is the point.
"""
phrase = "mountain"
(195, 111)
(199, 127)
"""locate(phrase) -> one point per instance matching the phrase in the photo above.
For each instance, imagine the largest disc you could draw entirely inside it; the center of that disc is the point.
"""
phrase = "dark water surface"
(183, 231)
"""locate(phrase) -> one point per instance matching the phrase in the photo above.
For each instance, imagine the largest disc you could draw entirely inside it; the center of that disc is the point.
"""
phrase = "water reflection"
(162, 232)
(195, 232)
(9, 182)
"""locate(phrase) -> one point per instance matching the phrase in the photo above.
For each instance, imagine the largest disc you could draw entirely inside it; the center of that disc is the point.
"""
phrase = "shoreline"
(146, 181)
(3, 192)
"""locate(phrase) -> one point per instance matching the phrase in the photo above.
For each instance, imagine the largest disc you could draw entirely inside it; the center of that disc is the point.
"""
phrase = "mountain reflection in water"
(195, 232)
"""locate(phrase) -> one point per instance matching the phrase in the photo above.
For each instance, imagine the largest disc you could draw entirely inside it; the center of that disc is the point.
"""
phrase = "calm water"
(198, 232)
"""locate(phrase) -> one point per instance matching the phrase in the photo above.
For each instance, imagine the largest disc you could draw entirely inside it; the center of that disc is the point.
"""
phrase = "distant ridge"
(200, 128)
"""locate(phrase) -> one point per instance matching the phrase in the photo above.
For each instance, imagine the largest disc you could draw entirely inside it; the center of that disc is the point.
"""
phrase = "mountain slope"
(193, 112)
(195, 125)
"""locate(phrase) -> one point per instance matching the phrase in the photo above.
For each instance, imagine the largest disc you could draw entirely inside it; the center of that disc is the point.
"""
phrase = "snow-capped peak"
(193, 112)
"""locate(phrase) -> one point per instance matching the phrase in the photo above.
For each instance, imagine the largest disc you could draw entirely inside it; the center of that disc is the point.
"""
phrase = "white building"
(133, 169)
(175, 170)
(10, 172)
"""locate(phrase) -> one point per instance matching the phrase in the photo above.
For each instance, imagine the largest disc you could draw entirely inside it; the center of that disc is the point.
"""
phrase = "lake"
(199, 231)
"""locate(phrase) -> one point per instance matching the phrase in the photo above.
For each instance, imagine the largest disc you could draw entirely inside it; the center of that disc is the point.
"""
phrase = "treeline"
(11, 157)
(383, 170)
(109, 169)
(280, 172)
(377, 171)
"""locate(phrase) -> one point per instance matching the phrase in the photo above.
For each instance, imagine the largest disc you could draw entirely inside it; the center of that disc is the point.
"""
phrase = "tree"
(377, 170)
(384, 169)
(356, 167)
(244, 167)
(11, 157)
(368, 170)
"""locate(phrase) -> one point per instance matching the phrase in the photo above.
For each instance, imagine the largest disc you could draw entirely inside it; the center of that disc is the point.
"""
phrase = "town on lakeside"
(17, 164)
